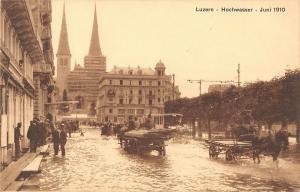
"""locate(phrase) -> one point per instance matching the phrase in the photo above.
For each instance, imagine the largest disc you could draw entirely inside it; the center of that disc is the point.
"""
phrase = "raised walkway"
(8, 177)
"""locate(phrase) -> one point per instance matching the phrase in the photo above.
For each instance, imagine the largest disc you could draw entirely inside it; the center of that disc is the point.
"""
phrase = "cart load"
(144, 141)
(151, 133)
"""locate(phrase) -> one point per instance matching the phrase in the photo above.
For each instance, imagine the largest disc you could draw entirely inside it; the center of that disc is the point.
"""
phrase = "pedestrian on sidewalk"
(17, 140)
(56, 140)
(63, 141)
(32, 135)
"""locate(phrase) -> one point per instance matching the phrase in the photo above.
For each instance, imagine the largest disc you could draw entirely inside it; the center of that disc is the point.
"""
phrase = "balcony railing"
(42, 68)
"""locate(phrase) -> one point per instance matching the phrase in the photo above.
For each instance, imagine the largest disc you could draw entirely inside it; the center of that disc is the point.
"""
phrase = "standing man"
(149, 123)
(63, 141)
(56, 140)
(17, 140)
(32, 135)
(131, 124)
(137, 123)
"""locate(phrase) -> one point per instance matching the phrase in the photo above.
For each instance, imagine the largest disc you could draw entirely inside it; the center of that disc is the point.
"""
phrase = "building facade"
(134, 92)
(81, 83)
(25, 59)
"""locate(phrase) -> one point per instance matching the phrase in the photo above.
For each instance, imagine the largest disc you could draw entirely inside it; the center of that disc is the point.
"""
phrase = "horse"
(270, 145)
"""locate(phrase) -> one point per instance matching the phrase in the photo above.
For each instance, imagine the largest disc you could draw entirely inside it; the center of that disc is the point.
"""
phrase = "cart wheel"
(229, 155)
(212, 151)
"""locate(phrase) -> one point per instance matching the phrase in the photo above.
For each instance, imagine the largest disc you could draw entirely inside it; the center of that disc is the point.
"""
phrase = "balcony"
(4, 58)
(42, 68)
(22, 20)
(150, 96)
(46, 18)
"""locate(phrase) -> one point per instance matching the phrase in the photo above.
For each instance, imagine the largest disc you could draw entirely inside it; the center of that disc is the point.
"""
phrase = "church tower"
(63, 56)
(95, 66)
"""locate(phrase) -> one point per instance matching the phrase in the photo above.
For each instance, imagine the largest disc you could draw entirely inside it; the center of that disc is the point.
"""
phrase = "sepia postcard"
(150, 95)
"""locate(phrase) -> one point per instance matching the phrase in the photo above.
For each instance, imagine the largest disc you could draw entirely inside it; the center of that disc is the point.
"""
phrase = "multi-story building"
(26, 68)
(134, 92)
(81, 84)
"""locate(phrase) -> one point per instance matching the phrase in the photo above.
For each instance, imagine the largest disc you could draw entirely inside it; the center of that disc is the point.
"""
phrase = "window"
(140, 111)
(121, 111)
(150, 101)
(121, 101)
(121, 82)
(150, 92)
(140, 82)
(131, 92)
(110, 82)
(110, 99)
(158, 83)
(140, 92)
(150, 83)
(130, 82)
(130, 72)
(110, 110)
(130, 101)
(158, 100)
(140, 100)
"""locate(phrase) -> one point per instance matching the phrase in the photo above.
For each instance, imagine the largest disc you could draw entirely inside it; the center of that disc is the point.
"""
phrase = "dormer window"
(130, 72)
(121, 71)
(139, 72)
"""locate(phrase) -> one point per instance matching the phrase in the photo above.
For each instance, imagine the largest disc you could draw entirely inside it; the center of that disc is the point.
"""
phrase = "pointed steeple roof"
(95, 49)
(63, 46)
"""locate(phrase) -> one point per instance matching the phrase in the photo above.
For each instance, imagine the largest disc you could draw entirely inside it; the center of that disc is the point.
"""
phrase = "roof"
(63, 46)
(95, 49)
(160, 64)
(132, 71)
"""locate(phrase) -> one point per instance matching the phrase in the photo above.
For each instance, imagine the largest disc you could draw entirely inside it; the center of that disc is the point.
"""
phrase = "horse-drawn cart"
(232, 149)
(144, 141)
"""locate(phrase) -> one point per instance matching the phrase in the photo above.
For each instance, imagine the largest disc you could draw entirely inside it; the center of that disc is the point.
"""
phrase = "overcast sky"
(192, 45)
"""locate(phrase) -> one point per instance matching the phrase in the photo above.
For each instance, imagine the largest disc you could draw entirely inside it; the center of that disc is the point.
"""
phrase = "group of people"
(69, 126)
(37, 133)
(59, 138)
(133, 123)
(40, 130)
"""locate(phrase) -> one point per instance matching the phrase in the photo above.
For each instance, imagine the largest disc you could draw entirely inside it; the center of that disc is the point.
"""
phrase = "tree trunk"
(200, 128)
(209, 128)
(298, 132)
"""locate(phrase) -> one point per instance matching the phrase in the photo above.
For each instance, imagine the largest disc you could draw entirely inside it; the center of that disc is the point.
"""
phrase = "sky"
(192, 45)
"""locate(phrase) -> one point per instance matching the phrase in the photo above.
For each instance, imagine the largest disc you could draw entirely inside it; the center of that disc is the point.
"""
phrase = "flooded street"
(97, 163)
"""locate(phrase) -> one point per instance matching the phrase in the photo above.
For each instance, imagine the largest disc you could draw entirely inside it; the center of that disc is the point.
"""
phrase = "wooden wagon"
(145, 141)
(232, 149)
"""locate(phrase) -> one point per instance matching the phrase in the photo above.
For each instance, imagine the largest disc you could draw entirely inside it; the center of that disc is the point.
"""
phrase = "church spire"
(63, 46)
(95, 49)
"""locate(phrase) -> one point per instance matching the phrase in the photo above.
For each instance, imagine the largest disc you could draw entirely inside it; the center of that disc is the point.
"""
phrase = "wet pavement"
(96, 163)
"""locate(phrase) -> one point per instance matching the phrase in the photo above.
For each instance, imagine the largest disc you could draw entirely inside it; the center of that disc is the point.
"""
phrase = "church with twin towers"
(80, 84)
(110, 96)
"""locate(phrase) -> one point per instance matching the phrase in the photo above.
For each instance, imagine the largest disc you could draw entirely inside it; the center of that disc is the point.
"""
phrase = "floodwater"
(97, 163)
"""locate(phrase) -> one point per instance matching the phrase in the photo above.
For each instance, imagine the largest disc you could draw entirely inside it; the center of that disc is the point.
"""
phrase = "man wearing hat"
(63, 140)
(55, 139)
(32, 135)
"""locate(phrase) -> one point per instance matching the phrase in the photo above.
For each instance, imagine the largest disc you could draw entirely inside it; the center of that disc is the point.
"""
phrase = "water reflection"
(96, 163)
